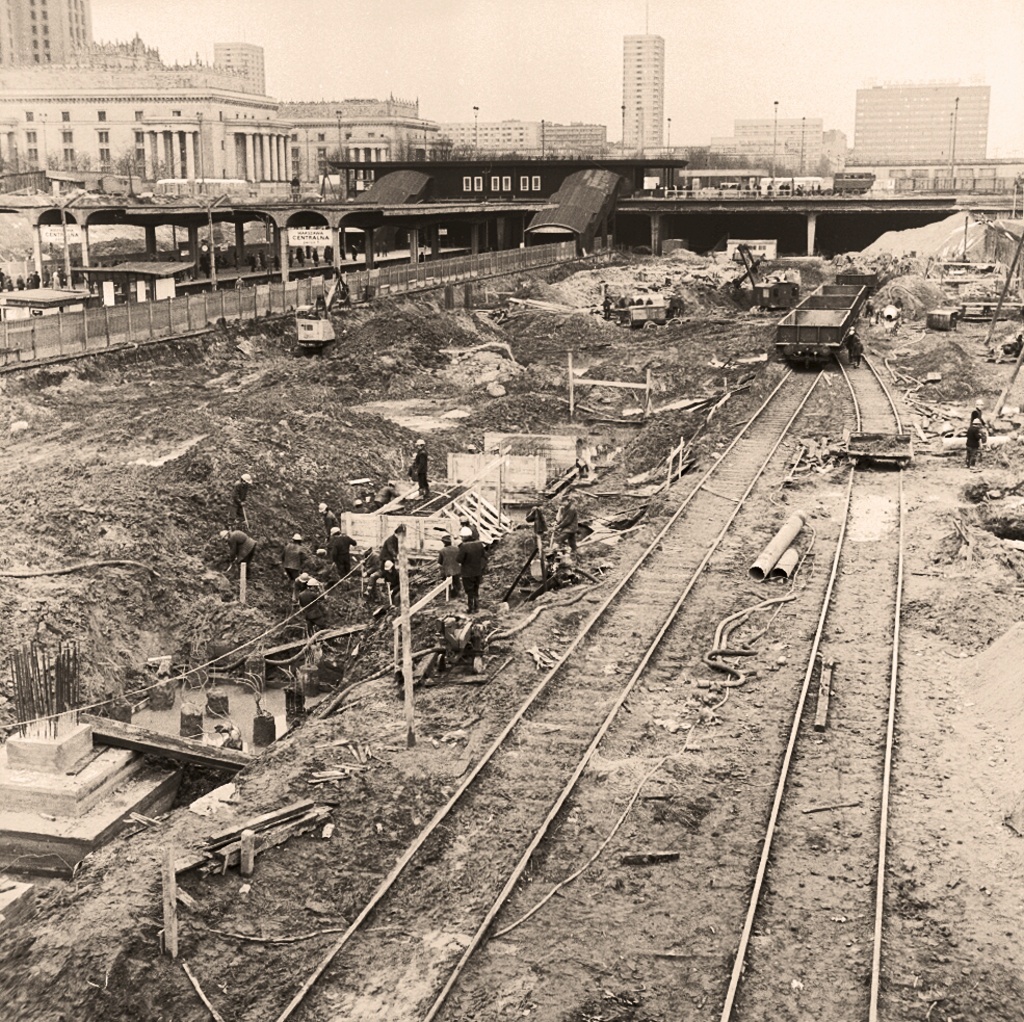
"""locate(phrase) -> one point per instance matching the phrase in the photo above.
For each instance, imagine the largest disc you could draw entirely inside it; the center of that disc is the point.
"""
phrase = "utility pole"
(202, 163)
(476, 128)
(775, 139)
(405, 630)
(952, 148)
(623, 129)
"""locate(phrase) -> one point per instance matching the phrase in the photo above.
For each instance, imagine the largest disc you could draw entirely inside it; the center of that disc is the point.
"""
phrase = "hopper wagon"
(815, 331)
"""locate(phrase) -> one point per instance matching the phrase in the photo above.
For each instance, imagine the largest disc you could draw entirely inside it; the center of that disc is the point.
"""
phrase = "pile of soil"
(961, 378)
(918, 295)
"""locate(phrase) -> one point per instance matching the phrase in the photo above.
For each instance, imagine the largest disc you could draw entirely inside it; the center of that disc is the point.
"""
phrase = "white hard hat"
(465, 531)
(312, 582)
(223, 534)
(335, 531)
(421, 443)
(304, 577)
(358, 503)
(246, 478)
(297, 538)
(322, 508)
(388, 565)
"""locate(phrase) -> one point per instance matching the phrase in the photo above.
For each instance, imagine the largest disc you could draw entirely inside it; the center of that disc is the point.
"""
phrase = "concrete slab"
(50, 755)
(65, 794)
(17, 902)
(32, 844)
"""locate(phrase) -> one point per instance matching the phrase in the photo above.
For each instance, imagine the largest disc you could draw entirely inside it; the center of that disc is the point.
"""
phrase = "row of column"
(173, 153)
(367, 154)
(265, 156)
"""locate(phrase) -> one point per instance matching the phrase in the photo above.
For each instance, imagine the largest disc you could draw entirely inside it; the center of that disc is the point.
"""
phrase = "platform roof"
(138, 269)
(42, 296)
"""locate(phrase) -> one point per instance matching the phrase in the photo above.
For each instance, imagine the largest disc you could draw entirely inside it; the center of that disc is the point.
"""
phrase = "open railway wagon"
(891, 448)
(814, 332)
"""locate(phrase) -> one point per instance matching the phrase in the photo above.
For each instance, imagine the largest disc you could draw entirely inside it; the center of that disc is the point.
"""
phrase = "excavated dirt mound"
(918, 295)
(961, 378)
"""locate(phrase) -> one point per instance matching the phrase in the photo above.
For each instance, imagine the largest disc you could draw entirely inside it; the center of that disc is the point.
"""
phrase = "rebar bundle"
(46, 686)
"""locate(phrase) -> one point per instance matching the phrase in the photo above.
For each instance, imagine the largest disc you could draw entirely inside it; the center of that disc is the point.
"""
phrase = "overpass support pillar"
(502, 233)
(414, 245)
(239, 245)
(337, 240)
(151, 241)
(656, 234)
(85, 244)
(37, 249)
(369, 248)
(474, 239)
(193, 246)
(282, 249)
(812, 223)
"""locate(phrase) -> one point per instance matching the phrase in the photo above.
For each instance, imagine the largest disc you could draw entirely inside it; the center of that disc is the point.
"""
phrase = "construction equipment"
(769, 292)
(313, 327)
(463, 644)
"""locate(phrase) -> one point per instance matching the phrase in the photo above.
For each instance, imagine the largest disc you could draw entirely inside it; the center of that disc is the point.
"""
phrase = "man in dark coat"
(313, 604)
(242, 548)
(389, 548)
(472, 559)
(330, 519)
(975, 438)
(339, 549)
(293, 556)
(448, 558)
(418, 468)
(568, 523)
(239, 495)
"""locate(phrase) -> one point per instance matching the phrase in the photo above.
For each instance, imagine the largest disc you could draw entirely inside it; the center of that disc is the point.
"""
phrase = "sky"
(561, 60)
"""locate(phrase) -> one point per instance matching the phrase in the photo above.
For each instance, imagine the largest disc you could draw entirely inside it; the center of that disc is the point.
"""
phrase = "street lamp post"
(623, 129)
(542, 138)
(202, 163)
(775, 139)
(803, 150)
(476, 128)
(213, 248)
(952, 148)
(669, 134)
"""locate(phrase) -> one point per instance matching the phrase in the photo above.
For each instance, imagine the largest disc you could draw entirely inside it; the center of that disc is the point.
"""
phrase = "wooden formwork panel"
(523, 472)
(558, 450)
(422, 535)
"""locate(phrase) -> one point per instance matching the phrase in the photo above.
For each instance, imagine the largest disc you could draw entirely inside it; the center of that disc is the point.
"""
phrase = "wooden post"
(85, 329)
(406, 627)
(60, 333)
(170, 890)
(247, 853)
(149, 310)
(997, 411)
(128, 313)
(648, 400)
(1002, 298)
(571, 393)
(824, 695)
(242, 573)
(106, 322)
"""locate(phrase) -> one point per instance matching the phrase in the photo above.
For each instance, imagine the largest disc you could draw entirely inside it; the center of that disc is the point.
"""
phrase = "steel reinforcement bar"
(667, 570)
(874, 408)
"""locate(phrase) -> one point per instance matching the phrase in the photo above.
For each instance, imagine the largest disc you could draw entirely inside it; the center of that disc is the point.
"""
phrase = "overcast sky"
(562, 59)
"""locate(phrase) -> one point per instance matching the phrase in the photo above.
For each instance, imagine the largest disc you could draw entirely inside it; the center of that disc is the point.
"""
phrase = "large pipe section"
(777, 547)
(786, 564)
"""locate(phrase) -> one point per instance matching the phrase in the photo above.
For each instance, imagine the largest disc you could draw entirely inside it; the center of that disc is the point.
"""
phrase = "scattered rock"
(19, 427)
(495, 389)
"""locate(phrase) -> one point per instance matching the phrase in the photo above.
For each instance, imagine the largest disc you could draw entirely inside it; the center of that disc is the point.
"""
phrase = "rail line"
(442, 909)
(814, 926)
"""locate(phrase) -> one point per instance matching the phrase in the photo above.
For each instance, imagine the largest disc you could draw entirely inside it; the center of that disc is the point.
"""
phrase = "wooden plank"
(824, 694)
(231, 855)
(583, 381)
(183, 750)
(648, 858)
(260, 822)
(170, 892)
(422, 602)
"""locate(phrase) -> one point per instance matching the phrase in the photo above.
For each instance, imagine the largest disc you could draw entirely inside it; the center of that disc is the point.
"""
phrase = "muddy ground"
(132, 456)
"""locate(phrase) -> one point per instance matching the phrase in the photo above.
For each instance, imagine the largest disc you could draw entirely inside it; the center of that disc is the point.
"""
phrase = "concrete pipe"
(775, 549)
(786, 564)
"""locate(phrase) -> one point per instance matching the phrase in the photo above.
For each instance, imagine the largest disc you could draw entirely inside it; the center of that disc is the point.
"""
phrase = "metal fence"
(96, 330)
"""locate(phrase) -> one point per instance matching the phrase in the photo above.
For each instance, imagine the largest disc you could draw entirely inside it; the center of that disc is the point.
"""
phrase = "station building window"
(524, 184)
(495, 184)
(478, 184)
(536, 182)
(467, 184)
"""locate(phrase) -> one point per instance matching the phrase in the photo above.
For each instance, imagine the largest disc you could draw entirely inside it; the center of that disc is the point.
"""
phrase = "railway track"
(423, 924)
(812, 939)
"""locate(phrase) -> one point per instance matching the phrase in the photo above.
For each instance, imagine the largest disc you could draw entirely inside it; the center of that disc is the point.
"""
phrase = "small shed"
(40, 301)
(137, 281)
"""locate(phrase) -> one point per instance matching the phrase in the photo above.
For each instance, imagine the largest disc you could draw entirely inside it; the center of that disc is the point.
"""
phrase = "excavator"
(768, 293)
(313, 327)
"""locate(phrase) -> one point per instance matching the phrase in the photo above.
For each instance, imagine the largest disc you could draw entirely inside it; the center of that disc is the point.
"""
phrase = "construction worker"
(241, 547)
(976, 436)
(299, 586)
(387, 493)
(239, 495)
(339, 549)
(418, 468)
(472, 560)
(606, 306)
(855, 348)
(465, 523)
(330, 519)
(389, 548)
(448, 558)
(314, 606)
(293, 556)
(567, 523)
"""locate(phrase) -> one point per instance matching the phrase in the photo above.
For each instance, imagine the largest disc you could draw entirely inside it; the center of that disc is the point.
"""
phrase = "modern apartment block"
(43, 31)
(247, 59)
(921, 123)
(793, 143)
(643, 92)
(532, 137)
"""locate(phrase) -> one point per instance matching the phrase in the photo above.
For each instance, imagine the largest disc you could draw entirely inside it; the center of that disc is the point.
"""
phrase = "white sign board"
(108, 293)
(53, 234)
(309, 236)
(164, 288)
(766, 248)
(650, 183)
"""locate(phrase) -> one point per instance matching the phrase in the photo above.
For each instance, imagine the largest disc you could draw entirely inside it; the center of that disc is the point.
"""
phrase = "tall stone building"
(245, 58)
(43, 31)
(643, 92)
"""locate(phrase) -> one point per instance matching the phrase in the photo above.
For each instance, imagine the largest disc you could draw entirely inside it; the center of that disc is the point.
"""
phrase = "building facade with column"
(364, 130)
(643, 92)
(180, 123)
(43, 31)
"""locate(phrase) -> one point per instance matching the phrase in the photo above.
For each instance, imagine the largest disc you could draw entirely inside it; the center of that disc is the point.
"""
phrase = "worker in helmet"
(293, 556)
(330, 519)
(472, 560)
(239, 495)
(418, 468)
(313, 603)
(242, 548)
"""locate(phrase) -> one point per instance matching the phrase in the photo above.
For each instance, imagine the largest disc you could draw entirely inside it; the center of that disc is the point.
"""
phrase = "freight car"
(852, 184)
(815, 331)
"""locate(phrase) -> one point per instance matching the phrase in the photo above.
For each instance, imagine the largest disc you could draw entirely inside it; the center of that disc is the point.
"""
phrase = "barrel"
(942, 319)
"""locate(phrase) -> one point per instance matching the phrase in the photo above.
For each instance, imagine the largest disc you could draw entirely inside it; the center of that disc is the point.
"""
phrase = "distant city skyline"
(562, 59)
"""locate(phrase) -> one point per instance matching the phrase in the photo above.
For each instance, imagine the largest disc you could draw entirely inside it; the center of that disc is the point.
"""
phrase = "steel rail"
(627, 689)
(755, 895)
(407, 856)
